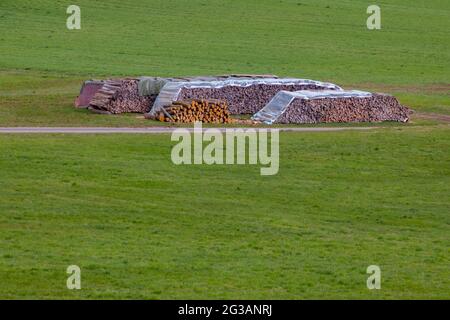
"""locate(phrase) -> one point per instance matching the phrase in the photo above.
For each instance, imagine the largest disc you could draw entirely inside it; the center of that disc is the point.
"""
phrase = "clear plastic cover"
(171, 90)
(153, 85)
(278, 105)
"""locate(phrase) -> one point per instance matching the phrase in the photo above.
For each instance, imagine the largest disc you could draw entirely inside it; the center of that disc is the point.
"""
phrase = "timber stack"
(206, 111)
(119, 96)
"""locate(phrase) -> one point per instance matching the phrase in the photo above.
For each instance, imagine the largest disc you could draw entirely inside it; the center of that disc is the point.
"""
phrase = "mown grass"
(141, 227)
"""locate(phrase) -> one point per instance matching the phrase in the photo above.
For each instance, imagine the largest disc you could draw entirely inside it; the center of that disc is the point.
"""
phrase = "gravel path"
(152, 130)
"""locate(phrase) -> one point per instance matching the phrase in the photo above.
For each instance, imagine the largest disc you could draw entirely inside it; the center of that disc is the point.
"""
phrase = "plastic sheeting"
(152, 85)
(171, 90)
(278, 105)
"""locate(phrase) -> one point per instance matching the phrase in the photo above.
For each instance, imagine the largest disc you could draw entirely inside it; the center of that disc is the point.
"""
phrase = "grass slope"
(141, 227)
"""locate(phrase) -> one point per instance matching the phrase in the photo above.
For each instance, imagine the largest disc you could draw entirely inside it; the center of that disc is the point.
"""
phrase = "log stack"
(377, 108)
(120, 96)
(206, 111)
(246, 99)
(329, 107)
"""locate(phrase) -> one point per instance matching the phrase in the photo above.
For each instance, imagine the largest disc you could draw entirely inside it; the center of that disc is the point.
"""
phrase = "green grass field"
(141, 227)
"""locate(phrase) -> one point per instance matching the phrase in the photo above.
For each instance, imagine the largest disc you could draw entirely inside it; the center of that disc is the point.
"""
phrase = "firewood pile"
(371, 108)
(213, 99)
(244, 100)
(206, 111)
(120, 96)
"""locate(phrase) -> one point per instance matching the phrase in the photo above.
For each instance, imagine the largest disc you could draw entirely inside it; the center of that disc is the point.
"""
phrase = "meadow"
(141, 227)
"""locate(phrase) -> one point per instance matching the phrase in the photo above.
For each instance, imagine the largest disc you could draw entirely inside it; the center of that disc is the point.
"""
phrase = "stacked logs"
(377, 108)
(244, 100)
(207, 111)
(119, 96)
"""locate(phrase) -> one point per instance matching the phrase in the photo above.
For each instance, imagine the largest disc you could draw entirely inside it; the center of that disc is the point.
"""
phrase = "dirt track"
(151, 130)
(433, 116)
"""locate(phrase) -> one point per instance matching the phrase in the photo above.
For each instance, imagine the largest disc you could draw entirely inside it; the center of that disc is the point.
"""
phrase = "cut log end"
(207, 111)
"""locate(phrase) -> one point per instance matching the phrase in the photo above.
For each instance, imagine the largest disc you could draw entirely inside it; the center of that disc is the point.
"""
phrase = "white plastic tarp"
(278, 105)
(171, 90)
